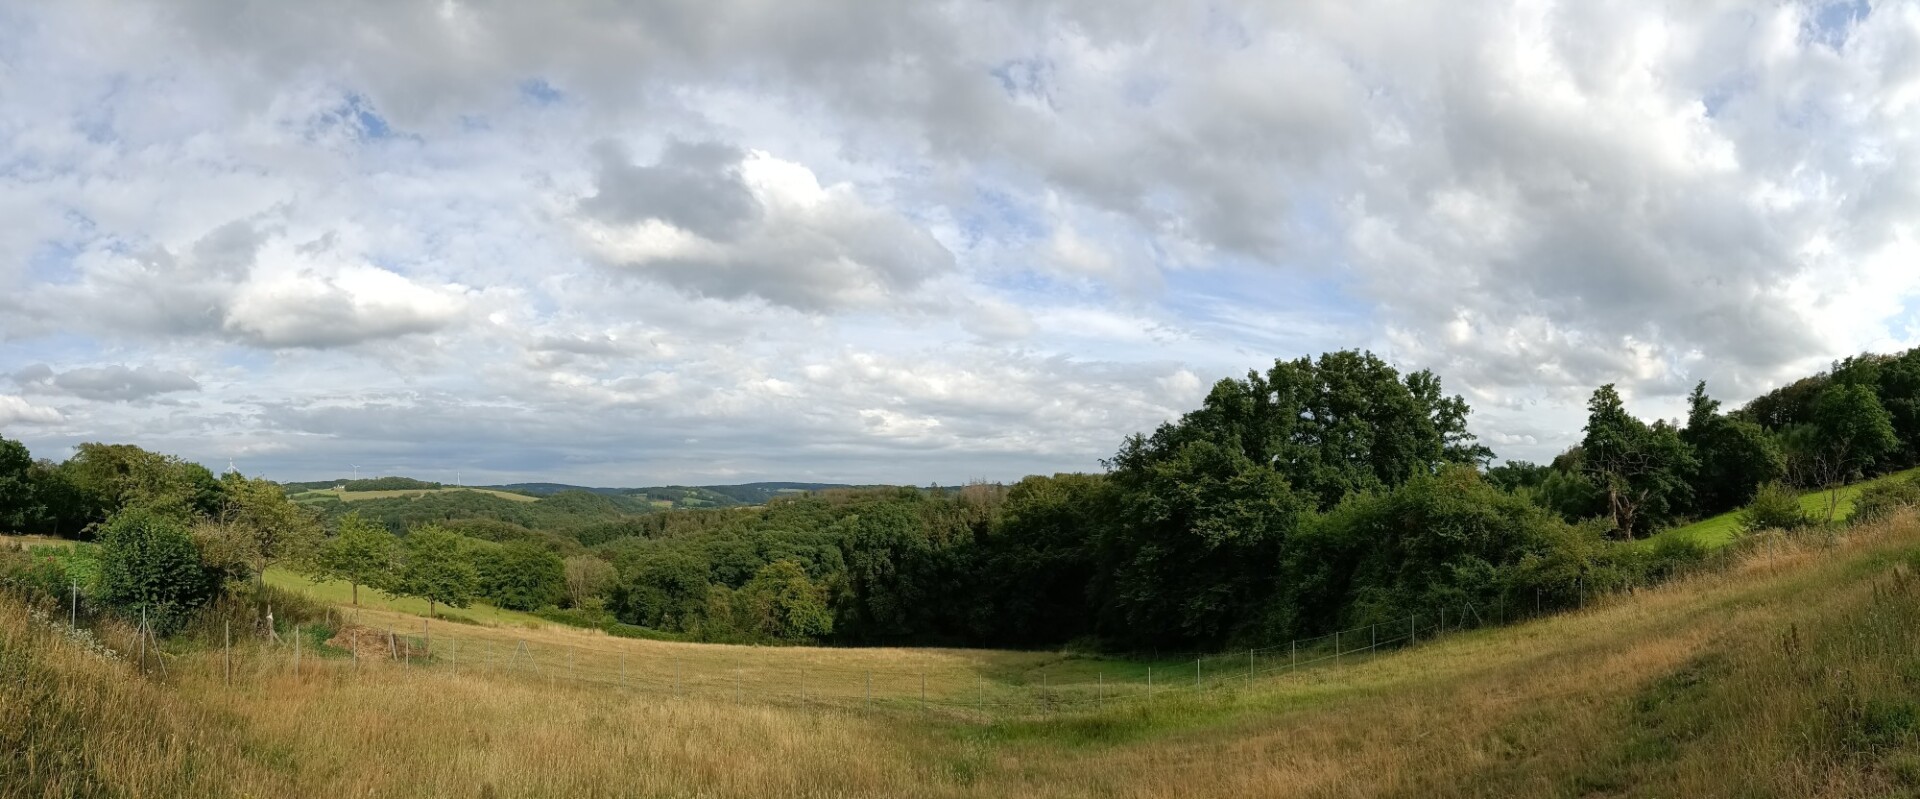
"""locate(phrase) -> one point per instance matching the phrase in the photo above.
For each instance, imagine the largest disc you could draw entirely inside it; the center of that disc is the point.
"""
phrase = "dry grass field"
(1792, 673)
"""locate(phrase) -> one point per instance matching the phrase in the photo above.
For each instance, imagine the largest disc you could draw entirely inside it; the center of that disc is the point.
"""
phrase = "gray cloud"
(717, 222)
(115, 383)
(905, 239)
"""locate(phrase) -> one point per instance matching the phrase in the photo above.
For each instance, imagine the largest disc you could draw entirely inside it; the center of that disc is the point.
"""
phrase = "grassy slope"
(340, 593)
(1790, 675)
(1720, 530)
(354, 496)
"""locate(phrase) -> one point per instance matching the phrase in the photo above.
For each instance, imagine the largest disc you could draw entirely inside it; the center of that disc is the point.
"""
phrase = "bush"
(1880, 500)
(1774, 507)
(148, 564)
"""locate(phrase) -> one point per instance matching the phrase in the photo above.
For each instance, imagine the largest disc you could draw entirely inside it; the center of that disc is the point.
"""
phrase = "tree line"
(1319, 494)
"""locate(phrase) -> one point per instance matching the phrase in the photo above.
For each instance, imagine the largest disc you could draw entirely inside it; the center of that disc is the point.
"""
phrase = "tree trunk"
(429, 607)
(356, 594)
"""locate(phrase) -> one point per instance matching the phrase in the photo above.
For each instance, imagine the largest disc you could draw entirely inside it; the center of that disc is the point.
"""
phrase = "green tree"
(1344, 423)
(148, 563)
(1851, 431)
(666, 590)
(588, 579)
(889, 583)
(109, 477)
(1035, 561)
(1641, 470)
(1774, 507)
(264, 526)
(521, 575)
(1735, 457)
(1197, 535)
(785, 604)
(434, 566)
(361, 553)
(18, 506)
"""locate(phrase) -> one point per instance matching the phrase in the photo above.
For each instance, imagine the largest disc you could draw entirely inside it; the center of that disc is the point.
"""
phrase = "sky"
(716, 241)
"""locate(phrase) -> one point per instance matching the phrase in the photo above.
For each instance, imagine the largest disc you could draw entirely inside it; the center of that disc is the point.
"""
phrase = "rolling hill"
(1786, 671)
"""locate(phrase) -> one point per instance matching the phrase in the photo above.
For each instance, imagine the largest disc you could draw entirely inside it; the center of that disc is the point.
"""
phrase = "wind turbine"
(356, 471)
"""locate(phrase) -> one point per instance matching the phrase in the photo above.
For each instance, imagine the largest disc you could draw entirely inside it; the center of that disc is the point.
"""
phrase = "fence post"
(1293, 655)
(1336, 647)
(1196, 674)
(143, 639)
(1443, 620)
(73, 612)
(1412, 632)
(1149, 683)
(1249, 669)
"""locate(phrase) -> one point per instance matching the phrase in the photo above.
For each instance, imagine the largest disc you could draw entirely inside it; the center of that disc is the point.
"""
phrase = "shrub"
(1880, 500)
(148, 563)
(1774, 507)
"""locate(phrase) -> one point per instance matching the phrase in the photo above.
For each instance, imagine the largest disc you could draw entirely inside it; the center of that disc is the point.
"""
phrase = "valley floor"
(1793, 673)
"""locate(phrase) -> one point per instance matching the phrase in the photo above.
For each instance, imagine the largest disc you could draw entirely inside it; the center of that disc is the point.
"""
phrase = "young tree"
(1641, 469)
(434, 566)
(361, 553)
(588, 579)
(148, 563)
(266, 527)
(1850, 432)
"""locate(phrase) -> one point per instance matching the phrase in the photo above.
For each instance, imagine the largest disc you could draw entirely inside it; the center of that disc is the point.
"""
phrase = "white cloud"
(727, 225)
(898, 241)
(15, 410)
(341, 306)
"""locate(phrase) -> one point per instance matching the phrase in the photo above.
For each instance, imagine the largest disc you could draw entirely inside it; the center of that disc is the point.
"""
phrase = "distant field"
(36, 541)
(340, 593)
(355, 496)
(1722, 529)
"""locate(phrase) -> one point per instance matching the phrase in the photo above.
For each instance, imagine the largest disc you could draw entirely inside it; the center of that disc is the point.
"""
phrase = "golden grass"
(1784, 676)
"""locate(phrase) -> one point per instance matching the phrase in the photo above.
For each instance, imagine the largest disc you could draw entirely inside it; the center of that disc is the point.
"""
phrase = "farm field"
(1781, 676)
(355, 496)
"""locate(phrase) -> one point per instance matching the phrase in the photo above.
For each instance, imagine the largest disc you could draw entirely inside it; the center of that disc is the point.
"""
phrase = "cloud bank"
(913, 242)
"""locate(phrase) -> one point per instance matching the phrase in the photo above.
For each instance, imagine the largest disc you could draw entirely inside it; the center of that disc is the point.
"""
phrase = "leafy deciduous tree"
(434, 566)
(361, 553)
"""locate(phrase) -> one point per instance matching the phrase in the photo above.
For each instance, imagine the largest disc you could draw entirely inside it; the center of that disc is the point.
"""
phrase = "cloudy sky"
(696, 241)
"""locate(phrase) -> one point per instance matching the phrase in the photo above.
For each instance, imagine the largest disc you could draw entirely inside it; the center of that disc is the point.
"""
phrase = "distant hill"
(549, 489)
(711, 496)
